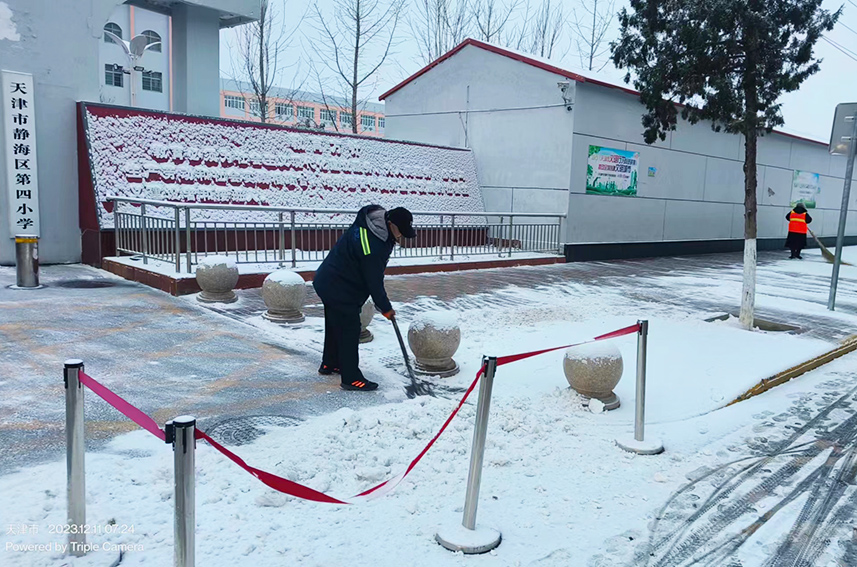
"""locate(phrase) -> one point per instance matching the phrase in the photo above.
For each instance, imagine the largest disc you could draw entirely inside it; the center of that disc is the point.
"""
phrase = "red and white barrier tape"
(292, 488)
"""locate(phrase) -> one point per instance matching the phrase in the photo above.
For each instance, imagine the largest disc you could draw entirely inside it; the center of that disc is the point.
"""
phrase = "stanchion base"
(647, 447)
(471, 542)
(22, 288)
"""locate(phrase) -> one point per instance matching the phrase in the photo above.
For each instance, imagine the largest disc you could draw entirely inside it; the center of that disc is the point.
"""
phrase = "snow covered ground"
(554, 482)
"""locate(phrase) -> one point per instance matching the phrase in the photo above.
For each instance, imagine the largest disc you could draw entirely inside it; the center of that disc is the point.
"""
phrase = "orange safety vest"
(797, 223)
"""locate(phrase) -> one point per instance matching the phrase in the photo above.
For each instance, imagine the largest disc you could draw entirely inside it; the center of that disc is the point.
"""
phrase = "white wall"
(110, 53)
(154, 60)
(59, 42)
(698, 190)
(523, 156)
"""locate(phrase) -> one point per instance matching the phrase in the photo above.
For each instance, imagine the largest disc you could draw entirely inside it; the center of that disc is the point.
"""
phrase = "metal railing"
(181, 234)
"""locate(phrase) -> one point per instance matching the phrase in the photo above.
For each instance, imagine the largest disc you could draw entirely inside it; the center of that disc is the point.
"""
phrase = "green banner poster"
(611, 172)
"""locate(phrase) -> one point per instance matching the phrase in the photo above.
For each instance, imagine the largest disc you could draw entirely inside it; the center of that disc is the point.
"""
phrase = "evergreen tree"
(727, 61)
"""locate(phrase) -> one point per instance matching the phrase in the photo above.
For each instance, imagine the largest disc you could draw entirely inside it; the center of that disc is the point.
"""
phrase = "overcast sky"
(807, 112)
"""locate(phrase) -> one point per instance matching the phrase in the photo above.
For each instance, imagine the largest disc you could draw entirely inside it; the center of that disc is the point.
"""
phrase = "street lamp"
(134, 50)
(842, 142)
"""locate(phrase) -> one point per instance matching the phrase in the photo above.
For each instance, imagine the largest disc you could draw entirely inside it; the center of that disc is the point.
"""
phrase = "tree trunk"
(261, 97)
(751, 137)
(592, 41)
(748, 291)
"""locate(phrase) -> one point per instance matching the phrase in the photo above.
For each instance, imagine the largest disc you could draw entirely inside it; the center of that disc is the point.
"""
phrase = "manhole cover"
(243, 430)
(85, 284)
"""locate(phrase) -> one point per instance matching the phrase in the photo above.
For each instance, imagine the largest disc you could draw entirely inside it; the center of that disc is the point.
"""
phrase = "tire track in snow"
(702, 536)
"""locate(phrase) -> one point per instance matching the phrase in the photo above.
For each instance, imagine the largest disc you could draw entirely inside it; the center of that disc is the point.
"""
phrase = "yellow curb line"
(846, 346)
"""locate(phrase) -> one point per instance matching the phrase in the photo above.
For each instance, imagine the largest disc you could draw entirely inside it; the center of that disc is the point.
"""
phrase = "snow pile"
(217, 260)
(440, 320)
(593, 353)
(285, 277)
(177, 158)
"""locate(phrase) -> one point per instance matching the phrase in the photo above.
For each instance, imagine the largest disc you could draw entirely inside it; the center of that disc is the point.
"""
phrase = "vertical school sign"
(611, 172)
(19, 133)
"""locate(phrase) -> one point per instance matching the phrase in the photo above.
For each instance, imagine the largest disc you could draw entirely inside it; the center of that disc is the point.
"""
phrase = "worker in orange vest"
(798, 220)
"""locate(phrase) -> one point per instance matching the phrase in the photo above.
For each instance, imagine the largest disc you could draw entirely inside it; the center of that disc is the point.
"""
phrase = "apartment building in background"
(292, 108)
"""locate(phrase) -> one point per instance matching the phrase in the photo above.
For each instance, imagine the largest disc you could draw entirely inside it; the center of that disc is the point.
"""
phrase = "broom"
(828, 255)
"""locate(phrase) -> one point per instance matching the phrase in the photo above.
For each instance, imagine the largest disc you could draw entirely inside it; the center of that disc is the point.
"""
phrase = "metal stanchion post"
(75, 448)
(27, 262)
(638, 445)
(181, 432)
(466, 537)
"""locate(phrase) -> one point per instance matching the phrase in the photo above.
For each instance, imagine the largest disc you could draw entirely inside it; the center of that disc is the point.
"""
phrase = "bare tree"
(540, 30)
(261, 46)
(440, 25)
(591, 24)
(356, 41)
(491, 19)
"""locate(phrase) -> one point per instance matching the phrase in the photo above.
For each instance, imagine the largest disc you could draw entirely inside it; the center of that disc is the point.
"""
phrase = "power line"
(847, 28)
(840, 46)
(852, 3)
(845, 51)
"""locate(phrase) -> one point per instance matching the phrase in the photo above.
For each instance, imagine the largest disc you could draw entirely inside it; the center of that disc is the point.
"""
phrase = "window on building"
(153, 81)
(284, 111)
(381, 122)
(306, 112)
(368, 123)
(255, 107)
(114, 29)
(328, 117)
(152, 37)
(230, 101)
(113, 75)
(345, 119)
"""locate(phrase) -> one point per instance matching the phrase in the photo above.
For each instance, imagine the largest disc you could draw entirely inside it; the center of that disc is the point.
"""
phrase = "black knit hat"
(403, 219)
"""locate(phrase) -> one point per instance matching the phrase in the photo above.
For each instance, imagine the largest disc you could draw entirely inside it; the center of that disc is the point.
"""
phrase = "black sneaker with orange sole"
(359, 386)
(326, 370)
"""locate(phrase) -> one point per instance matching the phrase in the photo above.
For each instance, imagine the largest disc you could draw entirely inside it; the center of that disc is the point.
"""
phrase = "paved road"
(163, 354)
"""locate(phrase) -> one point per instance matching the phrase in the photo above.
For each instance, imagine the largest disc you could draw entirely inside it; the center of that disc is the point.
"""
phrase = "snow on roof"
(603, 78)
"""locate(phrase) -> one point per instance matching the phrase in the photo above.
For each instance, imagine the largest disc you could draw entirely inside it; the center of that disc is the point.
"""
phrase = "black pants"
(341, 340)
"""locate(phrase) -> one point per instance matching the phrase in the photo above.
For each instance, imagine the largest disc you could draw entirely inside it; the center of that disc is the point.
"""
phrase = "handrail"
(217, 206)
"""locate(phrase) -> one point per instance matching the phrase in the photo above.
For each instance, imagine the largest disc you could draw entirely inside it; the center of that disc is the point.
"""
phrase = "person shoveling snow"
(352, 271)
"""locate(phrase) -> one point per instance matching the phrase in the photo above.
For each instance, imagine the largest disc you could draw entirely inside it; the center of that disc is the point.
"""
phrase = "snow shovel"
(416, 388)
(828, 255)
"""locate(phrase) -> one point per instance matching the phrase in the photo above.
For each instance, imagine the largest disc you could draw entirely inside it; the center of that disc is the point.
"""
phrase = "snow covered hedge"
(154, 155)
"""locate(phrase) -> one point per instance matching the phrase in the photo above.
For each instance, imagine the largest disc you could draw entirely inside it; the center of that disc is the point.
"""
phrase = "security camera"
(567, 98)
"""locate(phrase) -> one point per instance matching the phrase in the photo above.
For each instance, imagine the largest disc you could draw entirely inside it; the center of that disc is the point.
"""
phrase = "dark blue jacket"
(354, 267)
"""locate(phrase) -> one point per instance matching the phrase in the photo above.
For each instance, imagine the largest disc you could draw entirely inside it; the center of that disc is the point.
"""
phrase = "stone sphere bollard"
(284, 293)
(366, 315)
(217, 276)
(593, 370)
(434, 337)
